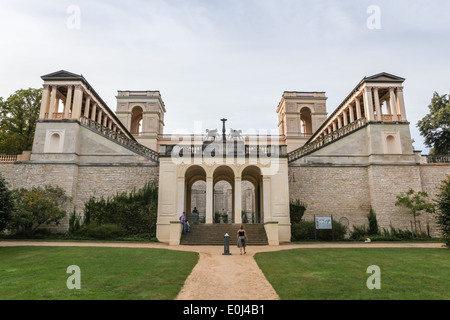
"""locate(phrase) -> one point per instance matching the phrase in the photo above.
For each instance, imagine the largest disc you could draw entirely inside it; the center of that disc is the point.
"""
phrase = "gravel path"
(225, 277)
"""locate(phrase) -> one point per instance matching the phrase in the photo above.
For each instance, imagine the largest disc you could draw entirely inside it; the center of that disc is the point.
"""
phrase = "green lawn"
(330, 274)
(39, 273)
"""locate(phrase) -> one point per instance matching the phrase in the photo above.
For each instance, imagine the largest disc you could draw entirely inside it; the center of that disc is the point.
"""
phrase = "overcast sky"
(229, 58)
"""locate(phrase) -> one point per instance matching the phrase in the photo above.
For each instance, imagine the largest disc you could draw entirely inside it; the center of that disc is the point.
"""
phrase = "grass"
(39, 273)
(340, 274)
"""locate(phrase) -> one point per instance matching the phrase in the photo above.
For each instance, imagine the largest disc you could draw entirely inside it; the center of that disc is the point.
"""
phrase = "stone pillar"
(339, 122)
(209, 200)
(358, 109)
(368, 104)
(334, 126)
(94, 111)
(52, 102)
(77, 102)
(267, 202)
(401, 104)
(87, 107)
(393, 105)
(45, 102)
(344, 114)
(377, 104)
(352, 114)
(100, 115)
(237, 200)
(68, 104)
(180, 196)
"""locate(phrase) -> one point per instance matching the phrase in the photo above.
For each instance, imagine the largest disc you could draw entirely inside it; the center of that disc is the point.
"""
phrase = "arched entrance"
(224, 190)
(251, 176)
(195, 191)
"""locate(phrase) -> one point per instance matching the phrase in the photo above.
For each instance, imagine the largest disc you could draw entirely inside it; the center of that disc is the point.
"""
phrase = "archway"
(253, 177)
(136, 121)
(223, 185)
(306, 121)
(195, 194)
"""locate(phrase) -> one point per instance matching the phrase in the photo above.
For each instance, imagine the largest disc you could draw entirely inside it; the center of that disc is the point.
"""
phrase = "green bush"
(297, 209)
(102, 232)
(392, 234)
(135, 212)
(304, 230)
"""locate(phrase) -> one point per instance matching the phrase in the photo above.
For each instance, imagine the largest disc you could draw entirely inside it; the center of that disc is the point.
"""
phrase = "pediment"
(384, 77)
(62, 74)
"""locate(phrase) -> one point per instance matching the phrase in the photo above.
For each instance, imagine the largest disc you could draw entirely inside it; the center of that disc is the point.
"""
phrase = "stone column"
(45, 102)
(209, 200)
(401, 104)
(94, 111)
(77, 102)
(237, 200)
(339, 122)
(52, 102)
(334, 126)
(68, 104)
(358, 109)
(87, 107)
(377, 104)
(393, 104)
(180, 196)
(100, 115)
(344, 114)
(368, 104)
(267, 200)
(352, 114)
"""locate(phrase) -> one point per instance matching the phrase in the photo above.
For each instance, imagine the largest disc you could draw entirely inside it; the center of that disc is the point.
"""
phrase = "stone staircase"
(213, 234)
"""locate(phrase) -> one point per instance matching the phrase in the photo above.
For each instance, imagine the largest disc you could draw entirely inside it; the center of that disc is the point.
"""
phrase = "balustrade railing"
(121, 139)
(438, 159)
(322, 141)
(7, 158)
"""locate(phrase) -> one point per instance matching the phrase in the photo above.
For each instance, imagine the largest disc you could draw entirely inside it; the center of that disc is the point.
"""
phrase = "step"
(213, 234)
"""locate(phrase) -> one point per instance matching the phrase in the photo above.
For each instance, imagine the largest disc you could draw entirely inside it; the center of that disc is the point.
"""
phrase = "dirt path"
(225, 277)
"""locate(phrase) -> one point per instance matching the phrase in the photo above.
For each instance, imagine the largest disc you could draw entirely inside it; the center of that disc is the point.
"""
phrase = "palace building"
(340, 163)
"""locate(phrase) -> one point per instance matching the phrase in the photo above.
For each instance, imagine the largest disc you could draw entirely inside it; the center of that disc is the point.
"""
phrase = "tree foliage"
(37, 207)
(297, 209)
(6, 204)
(435, 126)
(18, 115)
(443, 212)
(416, 203)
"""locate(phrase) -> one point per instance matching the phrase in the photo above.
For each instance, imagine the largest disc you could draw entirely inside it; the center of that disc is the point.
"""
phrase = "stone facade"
(358, 158)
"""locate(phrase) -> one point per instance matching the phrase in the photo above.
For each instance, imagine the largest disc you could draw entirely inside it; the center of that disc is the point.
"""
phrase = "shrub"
(297, 209)
(373, 223)
(443, 212)
(102, 232)
(135, 212)
(304, 230)
(6, 204)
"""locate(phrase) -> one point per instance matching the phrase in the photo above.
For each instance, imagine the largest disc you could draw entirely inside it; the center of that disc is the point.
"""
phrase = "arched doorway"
(251, 176)
(195, 189)
(223, 185)
(136, 121)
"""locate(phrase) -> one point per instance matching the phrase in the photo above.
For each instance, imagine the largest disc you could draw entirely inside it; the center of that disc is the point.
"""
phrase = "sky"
(212, 59)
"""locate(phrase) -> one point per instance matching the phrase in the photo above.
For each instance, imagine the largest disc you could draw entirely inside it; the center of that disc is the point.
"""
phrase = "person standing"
(242, 239)
(183, 221)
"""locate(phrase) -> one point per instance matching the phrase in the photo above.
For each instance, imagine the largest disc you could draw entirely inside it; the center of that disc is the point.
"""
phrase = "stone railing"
(217, 149)
(325, 140)
(120, 139)
(10, 158)
(438, 159)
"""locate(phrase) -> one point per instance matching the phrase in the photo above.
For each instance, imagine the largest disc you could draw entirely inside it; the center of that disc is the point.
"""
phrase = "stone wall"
(349, 192)
(79, 182)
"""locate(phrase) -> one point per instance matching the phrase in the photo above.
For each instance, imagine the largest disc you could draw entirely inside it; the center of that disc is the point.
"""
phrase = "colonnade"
(374, 103)
(77, 102)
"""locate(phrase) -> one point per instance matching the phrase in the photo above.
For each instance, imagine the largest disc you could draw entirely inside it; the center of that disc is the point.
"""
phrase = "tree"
(297, 209)
(416, 203)
(373, 223)
(18, 115)
(443, 212)
(6, 204)
(36, 207)
(435, 126)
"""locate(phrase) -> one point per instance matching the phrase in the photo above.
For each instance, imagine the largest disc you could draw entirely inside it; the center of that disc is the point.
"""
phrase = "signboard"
(324, 223)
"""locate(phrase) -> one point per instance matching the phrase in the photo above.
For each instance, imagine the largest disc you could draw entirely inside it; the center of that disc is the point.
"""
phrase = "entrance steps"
(213, 234)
